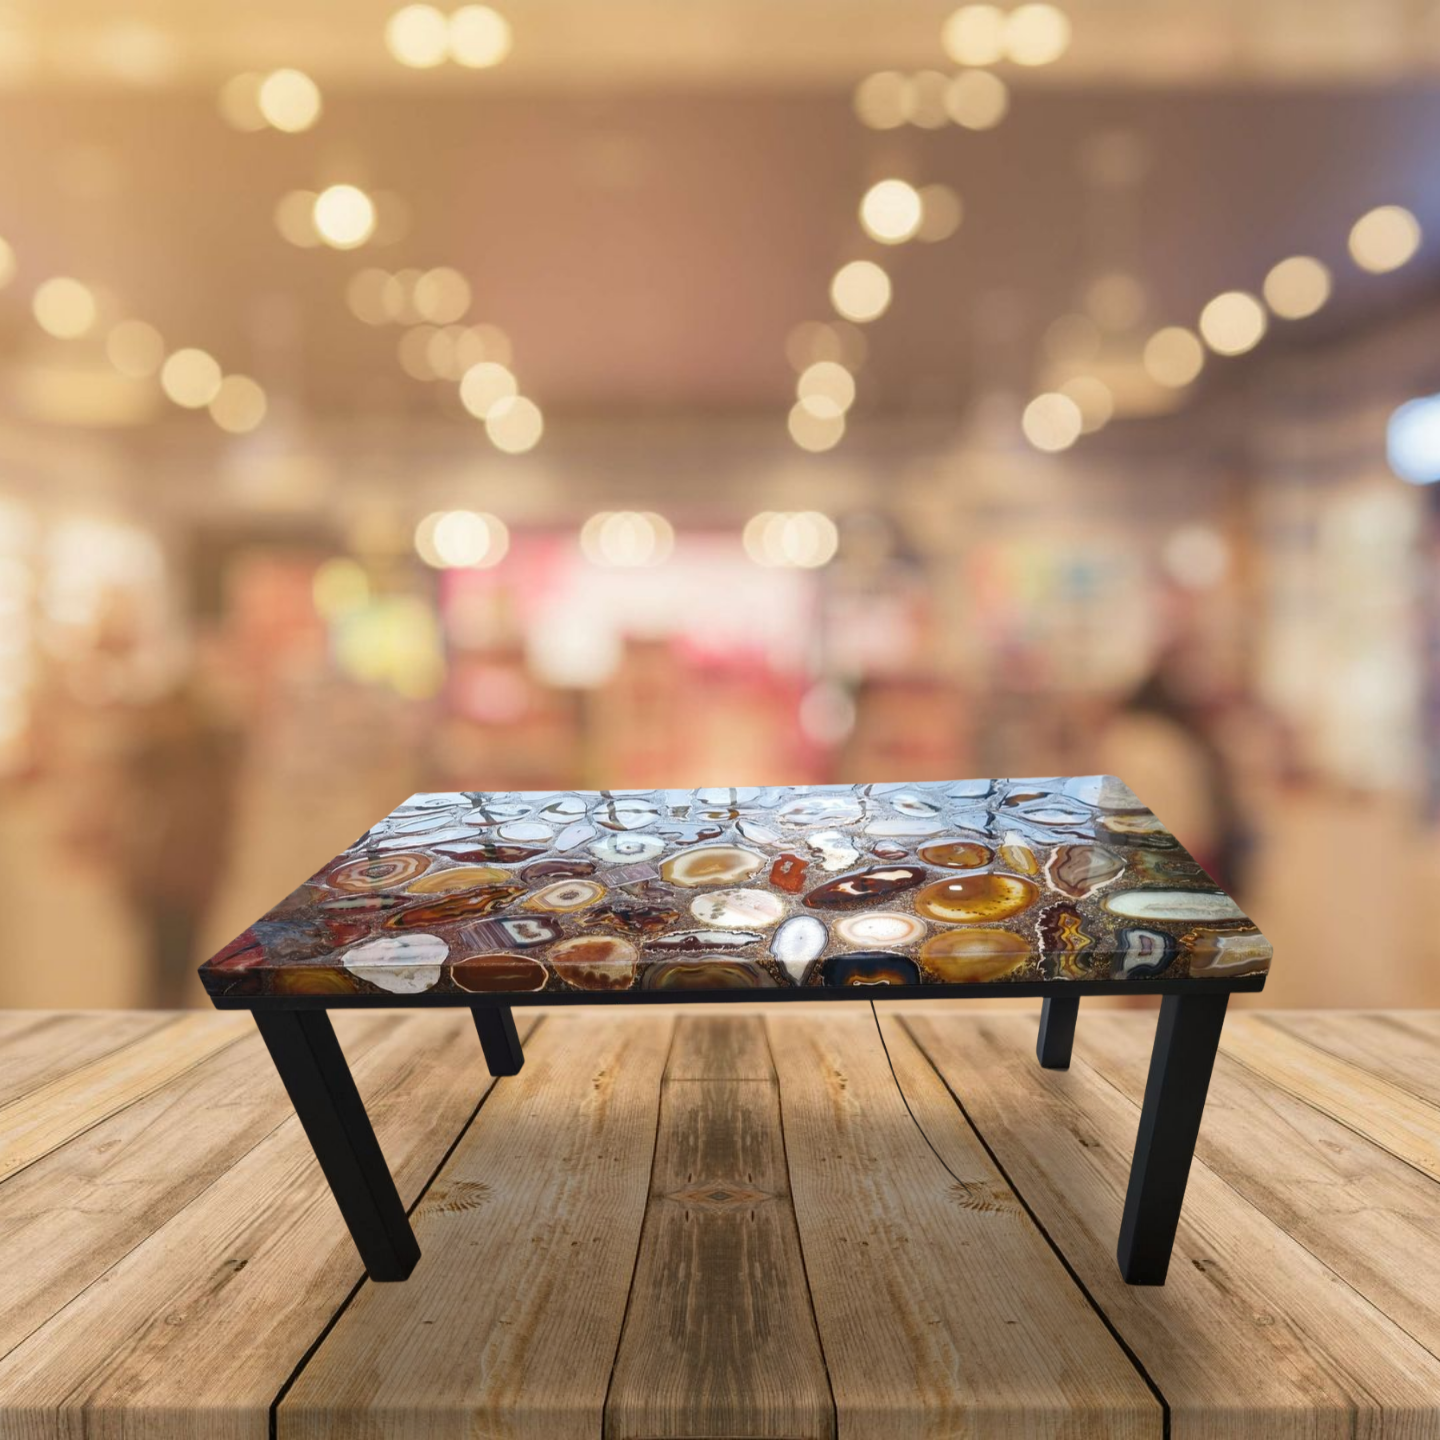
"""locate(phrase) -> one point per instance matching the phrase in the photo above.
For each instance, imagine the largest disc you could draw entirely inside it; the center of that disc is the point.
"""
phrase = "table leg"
(1186, 1040)
(498, 1039)
(313, 1069)
(1057, 1030)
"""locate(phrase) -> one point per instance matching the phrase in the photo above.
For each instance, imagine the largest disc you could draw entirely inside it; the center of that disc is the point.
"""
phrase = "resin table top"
(569, 893)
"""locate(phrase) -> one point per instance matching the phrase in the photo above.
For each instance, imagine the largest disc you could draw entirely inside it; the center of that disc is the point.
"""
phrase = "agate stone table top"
(962, 887)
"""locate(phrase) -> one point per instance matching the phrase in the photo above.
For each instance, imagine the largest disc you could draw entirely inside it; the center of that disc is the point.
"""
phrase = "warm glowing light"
(366, 295)
(977, 99)
(483, 386)
(1384, 239)
(882, 100)
(927, 99)
(239, 404)
(7, 263)
(1052, 422)
(514, 424)
(414, 352)
(1297, 287)
(295, 218)
(1196, 557)
(826, 389)
(1036, 34)
(1173, 357)
(239, 102)
(289, 100)
(975, 35)
(479, 36)
(191, 378)
(805, 539)
(339, 587)
(627, 538)
(1233, 323)
(941, 213)
(135, 348)
(418, 36)
(891, 211)
(344, 216)
(814, 429)
(860, 291)
(441, 295)
(475, 343)
(461, 539)
(64, 307)
(1093, 398)
(443, 352)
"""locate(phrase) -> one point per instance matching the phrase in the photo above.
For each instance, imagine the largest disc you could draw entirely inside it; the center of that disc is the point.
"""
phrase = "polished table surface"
(930, 888)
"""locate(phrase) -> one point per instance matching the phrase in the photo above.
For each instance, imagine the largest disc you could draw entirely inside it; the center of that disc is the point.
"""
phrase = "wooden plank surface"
(197, 1328)
(1366, 1214)
(719, 1280)
(785, 1224)
(510, 1322)
(1252, 1334)
(941, 1308)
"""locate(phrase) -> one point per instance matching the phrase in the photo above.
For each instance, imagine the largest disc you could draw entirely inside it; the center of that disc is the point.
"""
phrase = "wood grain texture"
(37, 1046)
(1251, 1335)
(1401, 1046)
(510, 1323)
(719, 1338)
(1391, 1115)
(1367, 1215)
(44, 1118)
(941, 1308)
(197, 1328)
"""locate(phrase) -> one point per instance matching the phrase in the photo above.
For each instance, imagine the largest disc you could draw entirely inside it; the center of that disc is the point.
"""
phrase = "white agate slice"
(402, 964)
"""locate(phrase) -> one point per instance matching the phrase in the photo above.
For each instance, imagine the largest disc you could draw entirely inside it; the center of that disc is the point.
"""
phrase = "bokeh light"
(627, 539)
(1233, 322)
(891, 211)
(1297, 287)
(239, 405)
(977, 99)
(1036, 34)
(860, 291)
(441, 295)
(7, 262)
(514, 424)
(814, 431)
(484, 385)
(805, 539)
(1094, 399)
(288, 100)
(344, 216)
(135, 348)
(882, 100)
(479, 36)
(941, 213)
(1384, 239)
(1052, 422)
(1173, 357)
(340, 585)
(295, 218)
(826, 388)
(1412, 441)
(461, 540)
(418, 36)
(64, 307)
(239, 102)
(191, 377)
(975, 35)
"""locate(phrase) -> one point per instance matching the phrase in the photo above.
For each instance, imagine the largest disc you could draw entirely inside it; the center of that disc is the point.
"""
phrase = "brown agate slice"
(558, 869)
(596, 962)
(1079, 869)
(1212, 953)
(630, 920)
(708, 975)
(788, 873)
(564, 896)
(1065, 943)
(472, 905)
(869, 967)
(971, 899)
(482, 851)
(965, 957)
(712, 865)
(956, 854)
(487, 974)
(850, 892)
(379, 872)
(310, 980)
(459, 877)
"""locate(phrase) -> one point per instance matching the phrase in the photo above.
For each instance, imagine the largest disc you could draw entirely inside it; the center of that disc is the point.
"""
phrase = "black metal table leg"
(1057, 1030)
(498, 1039)
(1186, 1040)
(313, 1069)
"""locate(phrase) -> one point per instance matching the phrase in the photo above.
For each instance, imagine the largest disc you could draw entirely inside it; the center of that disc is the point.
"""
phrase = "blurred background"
(631, 394)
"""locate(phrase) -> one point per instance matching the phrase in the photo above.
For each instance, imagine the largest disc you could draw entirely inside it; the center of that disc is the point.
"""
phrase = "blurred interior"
(465, 398)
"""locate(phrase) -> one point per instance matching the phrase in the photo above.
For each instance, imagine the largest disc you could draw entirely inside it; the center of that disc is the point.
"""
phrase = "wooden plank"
(1251, 1335)
(38, 1046)
(65, 1220)
(46, 1117)
(199, 1326)
(1389, 1114)
(941, 1309)
(510, 1323)
(1370, 1217)
(1401, 1046)
(720, 1281)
